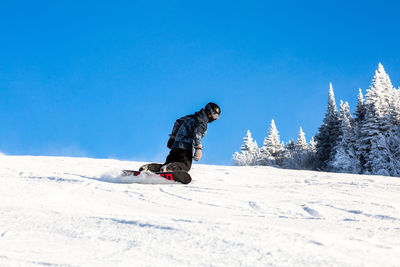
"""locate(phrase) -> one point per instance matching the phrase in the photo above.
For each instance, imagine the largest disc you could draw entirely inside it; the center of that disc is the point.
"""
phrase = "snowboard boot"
(152, 167)
(174, 166)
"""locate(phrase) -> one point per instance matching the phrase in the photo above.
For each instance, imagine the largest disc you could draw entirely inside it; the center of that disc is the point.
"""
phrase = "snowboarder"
(185, 139)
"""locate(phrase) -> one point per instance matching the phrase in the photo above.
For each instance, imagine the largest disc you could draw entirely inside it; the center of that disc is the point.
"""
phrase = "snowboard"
(177, 176)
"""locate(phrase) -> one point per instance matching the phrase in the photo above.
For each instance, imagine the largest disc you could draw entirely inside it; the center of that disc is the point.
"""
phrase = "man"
(185, 139)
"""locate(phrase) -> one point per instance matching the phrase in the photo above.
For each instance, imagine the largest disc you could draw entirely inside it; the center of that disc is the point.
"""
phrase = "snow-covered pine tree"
(290, 146)
(361, 108)
(345, 158)
(375, 131)
(271, 151)
(300, 155)
(287, 155)
(394, 135)
(395, 109)
(312, 151)
(359, 120)
(328, 132)
(301, 143)
(249, 153)
(312, 146)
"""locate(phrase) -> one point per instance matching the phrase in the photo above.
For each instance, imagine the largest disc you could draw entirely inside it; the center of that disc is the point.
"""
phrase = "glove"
(198, 153)
(170, 142)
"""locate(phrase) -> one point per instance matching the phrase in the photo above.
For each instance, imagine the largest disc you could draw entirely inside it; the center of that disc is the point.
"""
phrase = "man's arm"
(199, 133)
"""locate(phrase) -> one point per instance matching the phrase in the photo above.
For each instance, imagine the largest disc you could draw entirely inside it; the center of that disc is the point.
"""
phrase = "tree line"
(366, 143)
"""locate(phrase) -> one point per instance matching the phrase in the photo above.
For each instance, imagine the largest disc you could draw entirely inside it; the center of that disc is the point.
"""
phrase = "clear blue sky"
(108, 78)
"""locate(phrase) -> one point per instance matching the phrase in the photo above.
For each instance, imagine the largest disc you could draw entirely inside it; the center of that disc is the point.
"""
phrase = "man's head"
(213, 111)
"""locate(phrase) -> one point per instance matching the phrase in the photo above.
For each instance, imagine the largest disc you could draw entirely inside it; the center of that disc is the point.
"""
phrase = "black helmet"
(213, 111)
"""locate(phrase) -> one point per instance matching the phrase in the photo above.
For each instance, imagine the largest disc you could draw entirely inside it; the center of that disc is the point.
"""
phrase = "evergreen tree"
(301, 143)
(345, 158)
(312, 146)
(395, 116)
(394, 132)
(288, 154)
(361, 110)
(249, 152)
(300, 154)
(290, 146)
(375, 132)
(312, 151)
(345, 119)
(272, 148)
(327, 132)
(361, 107)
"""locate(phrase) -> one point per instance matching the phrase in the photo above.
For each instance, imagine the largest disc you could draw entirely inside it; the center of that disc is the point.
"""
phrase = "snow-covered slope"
(78, 212)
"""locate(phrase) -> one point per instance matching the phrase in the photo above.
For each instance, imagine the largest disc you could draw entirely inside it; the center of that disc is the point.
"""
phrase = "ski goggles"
(215, 116)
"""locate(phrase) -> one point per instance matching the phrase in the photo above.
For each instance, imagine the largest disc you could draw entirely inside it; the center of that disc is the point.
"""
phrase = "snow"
(79, 212)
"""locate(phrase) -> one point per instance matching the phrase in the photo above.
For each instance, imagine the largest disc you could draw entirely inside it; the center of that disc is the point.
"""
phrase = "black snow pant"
(179, 159)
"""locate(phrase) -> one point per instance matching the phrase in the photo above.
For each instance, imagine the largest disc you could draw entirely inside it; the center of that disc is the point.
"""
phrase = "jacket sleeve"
(199, 133)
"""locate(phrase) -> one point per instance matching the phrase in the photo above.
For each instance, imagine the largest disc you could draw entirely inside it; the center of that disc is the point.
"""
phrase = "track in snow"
(76, 211)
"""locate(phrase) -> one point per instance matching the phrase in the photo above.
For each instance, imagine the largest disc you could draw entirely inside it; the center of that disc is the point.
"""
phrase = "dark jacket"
(189, 130)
